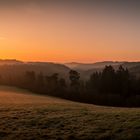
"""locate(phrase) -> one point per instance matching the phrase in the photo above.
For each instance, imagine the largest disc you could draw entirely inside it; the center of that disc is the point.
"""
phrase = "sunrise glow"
(62, 33)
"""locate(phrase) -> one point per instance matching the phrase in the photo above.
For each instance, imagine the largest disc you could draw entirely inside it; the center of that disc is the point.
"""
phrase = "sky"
(70, 30)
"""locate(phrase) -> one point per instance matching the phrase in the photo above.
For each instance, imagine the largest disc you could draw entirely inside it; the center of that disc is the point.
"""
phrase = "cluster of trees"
(112, 82)
(115, 87)
(109, 87)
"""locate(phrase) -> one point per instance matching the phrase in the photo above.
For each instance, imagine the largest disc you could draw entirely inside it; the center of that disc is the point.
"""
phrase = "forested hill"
(14, 68)
(110, 86)
(101, 65)
(86, 69)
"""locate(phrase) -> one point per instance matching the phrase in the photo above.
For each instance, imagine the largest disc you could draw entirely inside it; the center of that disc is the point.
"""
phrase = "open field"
(24, 115)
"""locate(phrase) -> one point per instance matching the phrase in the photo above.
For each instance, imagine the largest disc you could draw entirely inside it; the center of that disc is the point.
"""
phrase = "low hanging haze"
(70, 30)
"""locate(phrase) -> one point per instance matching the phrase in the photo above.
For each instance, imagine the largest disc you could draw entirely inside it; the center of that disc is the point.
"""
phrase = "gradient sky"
(70, 30)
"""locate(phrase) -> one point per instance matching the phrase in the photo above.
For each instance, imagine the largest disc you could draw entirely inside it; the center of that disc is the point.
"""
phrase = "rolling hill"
(25, 115)
(13, 68)
(89, 66)
(87, 69)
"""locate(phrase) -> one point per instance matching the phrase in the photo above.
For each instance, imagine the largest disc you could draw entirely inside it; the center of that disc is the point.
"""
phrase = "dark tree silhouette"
(40, 82)
(30, 79)
(94, 82)
(108, 80)
(62, 87)
(123, 81)
(62, 83)
(74, 77)
(52, 83)
(30, 75)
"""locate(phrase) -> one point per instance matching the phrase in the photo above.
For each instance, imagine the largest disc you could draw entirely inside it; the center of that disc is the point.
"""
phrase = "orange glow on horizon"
(62, 34)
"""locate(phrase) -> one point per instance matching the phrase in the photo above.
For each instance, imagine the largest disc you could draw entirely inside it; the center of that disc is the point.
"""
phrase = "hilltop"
(10, 62)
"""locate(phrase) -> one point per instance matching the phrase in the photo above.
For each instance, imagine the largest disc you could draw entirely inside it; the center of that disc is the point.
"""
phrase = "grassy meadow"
(27, 116)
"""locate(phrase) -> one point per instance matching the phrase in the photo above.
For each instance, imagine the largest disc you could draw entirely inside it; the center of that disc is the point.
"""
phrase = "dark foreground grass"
(32, 117)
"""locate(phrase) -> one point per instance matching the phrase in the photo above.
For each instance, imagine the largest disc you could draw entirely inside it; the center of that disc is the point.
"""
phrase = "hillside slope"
(14, 70)
(87, 69)
(25, 115)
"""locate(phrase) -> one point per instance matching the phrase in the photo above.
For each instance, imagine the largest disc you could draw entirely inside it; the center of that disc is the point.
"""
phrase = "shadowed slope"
(25, 115)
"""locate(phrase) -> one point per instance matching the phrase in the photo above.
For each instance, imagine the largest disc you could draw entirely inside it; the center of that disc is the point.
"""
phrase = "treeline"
(110, 87)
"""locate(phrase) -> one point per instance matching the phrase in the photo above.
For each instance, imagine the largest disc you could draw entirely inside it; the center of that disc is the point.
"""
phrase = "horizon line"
(69, 62)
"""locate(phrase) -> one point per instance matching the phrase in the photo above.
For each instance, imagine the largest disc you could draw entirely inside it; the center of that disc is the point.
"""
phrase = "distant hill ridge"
(16, 67)
(10, 61)
(86, 69)
(97, 65)
(12, 67)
